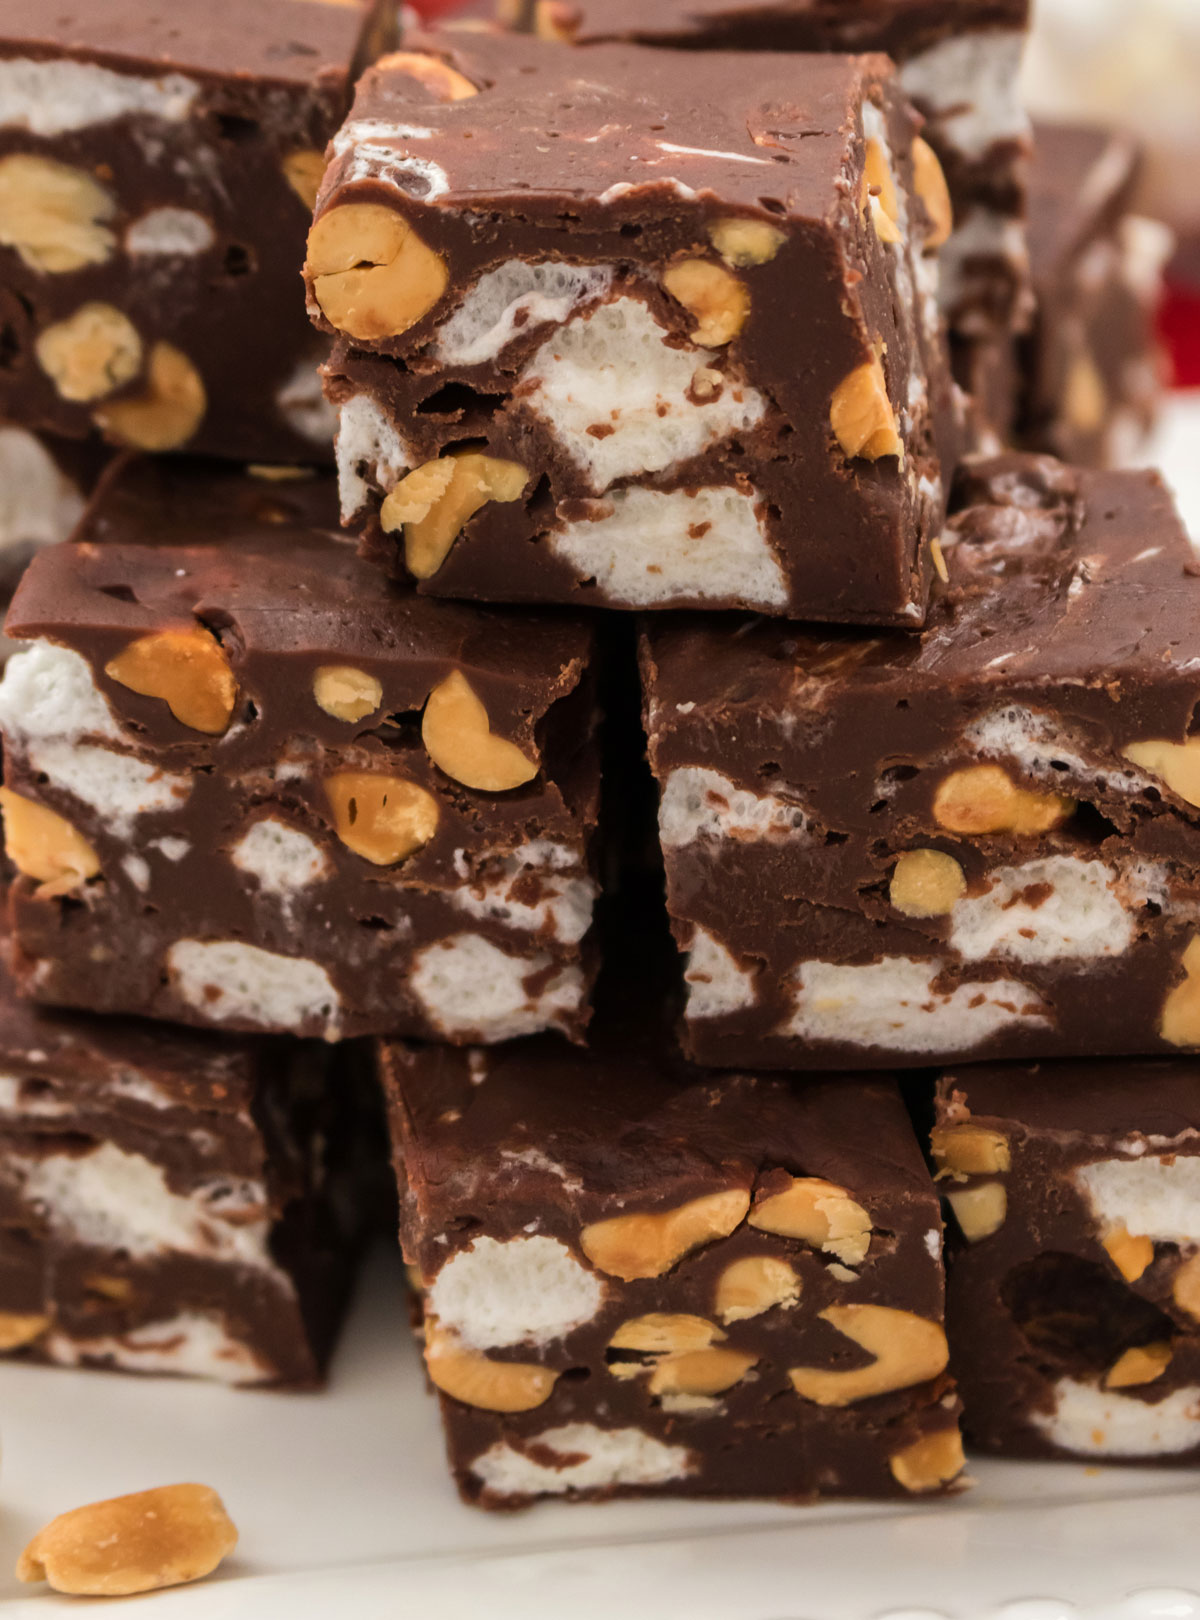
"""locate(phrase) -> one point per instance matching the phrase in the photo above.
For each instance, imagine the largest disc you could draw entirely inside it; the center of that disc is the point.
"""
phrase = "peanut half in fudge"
(1074, 1292)
(158, 166)
(178, 1202)
(959, 60)
(983, 840)
(248, 786)
(640, 1279)
(692, 357)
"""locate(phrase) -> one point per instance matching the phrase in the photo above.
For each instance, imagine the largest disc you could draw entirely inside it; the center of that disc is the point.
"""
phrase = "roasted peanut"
(1180, 1021)
(43, 845)
(700, 1372)
(55, 216)
(816, 1212)
(459, 741)
(136, 1543)
(980, 1211)
(930, 1462)
(930, 185)
(1084, 396)
(475, 1380)
(373, 277)
(926, 883)
(555, 20)
(167, 412)
(1177, 763)
(434, 501)
(187, 669)
(438, 77)
(1131, 1255)
(659, 1334)
(346, 693)
(18, 1328)
(880, 200)
(908, 1350)
(753, 1285)
(303, 170)
(984, 799)
(970, 1150)
(382, 818)
(1140, 1365)
(90, 353)
(648, 1245)
(745, 242)
(861, 414)
(718, 302)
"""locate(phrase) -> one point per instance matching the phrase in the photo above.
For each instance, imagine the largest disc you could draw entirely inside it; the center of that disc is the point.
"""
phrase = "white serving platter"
(345, 1508)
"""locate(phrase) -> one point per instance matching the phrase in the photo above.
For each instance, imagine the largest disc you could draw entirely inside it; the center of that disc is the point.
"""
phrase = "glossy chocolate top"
(286, 41)
(900, 27)
(1081, 181)
(751, 131)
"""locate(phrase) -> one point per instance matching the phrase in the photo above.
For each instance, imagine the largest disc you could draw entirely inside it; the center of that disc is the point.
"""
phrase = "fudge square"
(980, 841)
(691, 357)
(247, 785)
(178, 1202)
(1092, 368)
(1074, 1289)
(158, 165)
(641, 1279)
(959, 61)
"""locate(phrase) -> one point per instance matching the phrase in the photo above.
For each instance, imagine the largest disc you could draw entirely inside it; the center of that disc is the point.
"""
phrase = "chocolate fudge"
(639, 1279)
(1074, 1291)
(980, 841)
(959, 60)
(249, 785)
(1091, 367)
(692, 357)
(158, 165)
(177, 1202)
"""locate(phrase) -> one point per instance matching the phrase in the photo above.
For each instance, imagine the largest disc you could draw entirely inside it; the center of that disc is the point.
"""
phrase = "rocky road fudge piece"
(640, 1279)
(44, 486)
(959, 60)
(249, 785)
(983, 840)
(158, 165)
(177, 1202)
(1091, 366)
(1074, 1293)
(691, 357)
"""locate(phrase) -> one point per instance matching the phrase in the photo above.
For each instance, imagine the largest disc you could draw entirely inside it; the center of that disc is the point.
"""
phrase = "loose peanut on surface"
(459, 740)
(187, 669)
(648, 1245)
(373, 277)
(138, 1543)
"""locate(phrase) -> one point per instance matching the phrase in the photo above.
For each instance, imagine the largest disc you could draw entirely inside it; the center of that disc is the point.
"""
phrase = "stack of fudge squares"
(703, 358)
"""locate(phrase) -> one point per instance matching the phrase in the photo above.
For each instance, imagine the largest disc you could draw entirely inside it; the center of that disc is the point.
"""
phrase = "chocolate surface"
(177, 1202)
(509, 1159)
(157, 171)
(1073, 1322)
(799, 771)
(678, 446)
(240, 849)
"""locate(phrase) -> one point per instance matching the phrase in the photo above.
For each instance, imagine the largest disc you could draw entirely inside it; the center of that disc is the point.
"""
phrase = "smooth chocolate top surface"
(1055, 574)
(249, 559)
(1106, 1099)
(288, 41)
(899, 27)
(1080, 177)
(750, 129)
(614, 1120)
